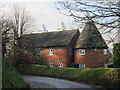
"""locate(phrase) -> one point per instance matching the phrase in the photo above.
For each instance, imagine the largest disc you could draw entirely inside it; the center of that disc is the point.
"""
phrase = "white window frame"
(81, 65)
(82, 51)
(50, 52)
(105, 51)
(95, 49)
(50, 64)
(60, 64)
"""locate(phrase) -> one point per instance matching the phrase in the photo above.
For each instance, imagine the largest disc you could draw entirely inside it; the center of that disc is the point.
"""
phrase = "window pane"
(50, 51)
(82, 52)
(60, 64)
(105, 51)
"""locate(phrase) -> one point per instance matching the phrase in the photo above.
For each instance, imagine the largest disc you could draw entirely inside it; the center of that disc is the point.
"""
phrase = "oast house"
(90, 49)
(61, 48)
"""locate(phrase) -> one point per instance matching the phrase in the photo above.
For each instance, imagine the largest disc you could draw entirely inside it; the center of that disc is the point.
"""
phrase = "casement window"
(37, 51)
(105, 65)
(82, 51)
(70, 51)
(60, 64)
(81, 65)
(105, 51)
(50, 52)
(50, 64)
(95, 49)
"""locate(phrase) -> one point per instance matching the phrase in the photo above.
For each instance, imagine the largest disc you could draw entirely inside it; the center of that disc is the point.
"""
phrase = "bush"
(105, 77)
(10, 77)
(116, 55)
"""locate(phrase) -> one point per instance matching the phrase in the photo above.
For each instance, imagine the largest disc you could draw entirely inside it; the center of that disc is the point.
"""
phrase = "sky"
(43, 11)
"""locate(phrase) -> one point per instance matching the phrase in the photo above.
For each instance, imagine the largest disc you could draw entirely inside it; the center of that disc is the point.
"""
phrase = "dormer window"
(105, 51)
(82, 51)
(50, 51)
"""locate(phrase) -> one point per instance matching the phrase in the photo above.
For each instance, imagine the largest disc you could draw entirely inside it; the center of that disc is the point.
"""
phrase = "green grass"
(105, 77)
(10, 77)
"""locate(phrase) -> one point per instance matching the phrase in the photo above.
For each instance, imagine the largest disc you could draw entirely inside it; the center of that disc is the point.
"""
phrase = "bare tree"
(22, 20)
(22, 23)
(105, 14)
(5, 28)
(19, 23)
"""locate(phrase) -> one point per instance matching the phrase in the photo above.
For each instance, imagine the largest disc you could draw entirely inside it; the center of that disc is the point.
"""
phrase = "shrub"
(10, 77)
(116, 55)
(106, 77)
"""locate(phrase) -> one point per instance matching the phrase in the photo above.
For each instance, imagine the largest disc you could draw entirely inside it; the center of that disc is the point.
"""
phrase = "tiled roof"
(90, 37)
(48, 39)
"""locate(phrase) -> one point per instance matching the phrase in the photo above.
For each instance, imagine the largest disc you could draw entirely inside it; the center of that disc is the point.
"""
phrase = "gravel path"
(46, 82)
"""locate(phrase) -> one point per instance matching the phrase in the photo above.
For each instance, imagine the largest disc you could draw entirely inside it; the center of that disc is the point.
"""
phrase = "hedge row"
(105, 77)
(10, 77)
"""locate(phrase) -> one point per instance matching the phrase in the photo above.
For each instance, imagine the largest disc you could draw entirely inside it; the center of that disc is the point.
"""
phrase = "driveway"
(47, 82)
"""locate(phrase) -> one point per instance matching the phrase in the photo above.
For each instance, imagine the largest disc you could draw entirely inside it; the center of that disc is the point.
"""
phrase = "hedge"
(10, 77)
(105, 77)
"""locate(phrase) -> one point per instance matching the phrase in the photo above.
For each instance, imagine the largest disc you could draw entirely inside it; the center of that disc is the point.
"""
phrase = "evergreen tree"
(116, 55)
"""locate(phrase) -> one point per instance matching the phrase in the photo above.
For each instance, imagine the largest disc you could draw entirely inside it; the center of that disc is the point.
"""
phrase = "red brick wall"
(91, 58)
(59, 55)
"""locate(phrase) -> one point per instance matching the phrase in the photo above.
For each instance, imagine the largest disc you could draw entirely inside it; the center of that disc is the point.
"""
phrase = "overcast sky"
(43, 11)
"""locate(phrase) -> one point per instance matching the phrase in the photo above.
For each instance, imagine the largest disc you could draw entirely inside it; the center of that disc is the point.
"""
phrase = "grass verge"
(105, 77)
(10, 77)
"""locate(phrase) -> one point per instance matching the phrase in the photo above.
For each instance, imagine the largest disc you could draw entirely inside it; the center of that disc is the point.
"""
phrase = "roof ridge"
(51, 32)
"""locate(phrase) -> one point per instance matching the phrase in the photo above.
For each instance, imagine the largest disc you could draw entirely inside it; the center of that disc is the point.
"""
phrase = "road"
(46, 82)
